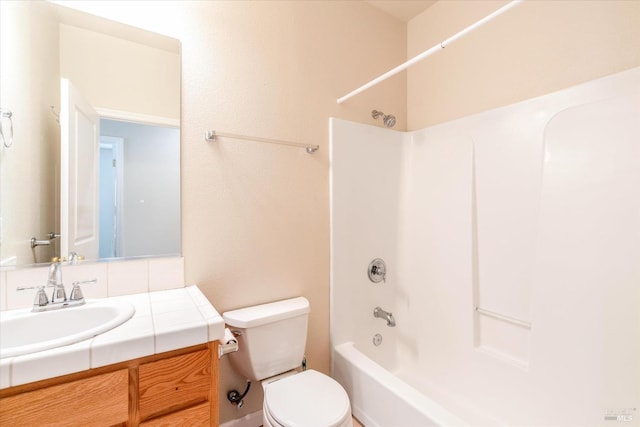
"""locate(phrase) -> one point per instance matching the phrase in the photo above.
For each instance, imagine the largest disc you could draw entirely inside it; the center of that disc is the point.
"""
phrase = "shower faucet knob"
(377, 271)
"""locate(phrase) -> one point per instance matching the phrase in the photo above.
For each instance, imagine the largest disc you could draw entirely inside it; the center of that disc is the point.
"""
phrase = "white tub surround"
(163, 321)
(511, 240)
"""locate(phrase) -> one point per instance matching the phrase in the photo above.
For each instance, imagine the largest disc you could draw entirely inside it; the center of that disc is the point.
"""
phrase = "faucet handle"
(377, 271)
(41, 299)
(76, 292)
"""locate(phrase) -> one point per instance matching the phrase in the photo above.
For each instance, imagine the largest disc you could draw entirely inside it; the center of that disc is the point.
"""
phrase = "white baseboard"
(250, 420)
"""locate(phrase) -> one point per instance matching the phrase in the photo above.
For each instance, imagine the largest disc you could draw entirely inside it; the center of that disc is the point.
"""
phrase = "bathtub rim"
(411, 396)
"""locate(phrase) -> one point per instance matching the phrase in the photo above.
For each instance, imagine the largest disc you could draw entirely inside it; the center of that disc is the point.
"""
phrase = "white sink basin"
(24, 332)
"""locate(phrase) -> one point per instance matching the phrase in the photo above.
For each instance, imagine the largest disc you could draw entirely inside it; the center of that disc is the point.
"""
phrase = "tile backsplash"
(115, 278)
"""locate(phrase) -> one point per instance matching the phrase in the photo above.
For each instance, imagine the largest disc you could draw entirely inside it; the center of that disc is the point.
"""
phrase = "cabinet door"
(102, 400)
(175, 383)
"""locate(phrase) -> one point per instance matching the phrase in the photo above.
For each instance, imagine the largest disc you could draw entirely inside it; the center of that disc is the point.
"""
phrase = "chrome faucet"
(55, 281)
(59, 295)
(73, 258)
(386, 315)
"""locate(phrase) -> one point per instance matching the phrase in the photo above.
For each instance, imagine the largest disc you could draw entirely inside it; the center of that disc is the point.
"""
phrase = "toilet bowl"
(271, 341)
(307, 399)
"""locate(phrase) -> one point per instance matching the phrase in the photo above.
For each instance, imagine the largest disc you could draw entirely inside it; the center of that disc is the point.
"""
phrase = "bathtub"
(379, 398)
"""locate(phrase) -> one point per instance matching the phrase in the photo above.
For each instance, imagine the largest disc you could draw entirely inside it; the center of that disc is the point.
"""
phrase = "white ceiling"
(402, 9)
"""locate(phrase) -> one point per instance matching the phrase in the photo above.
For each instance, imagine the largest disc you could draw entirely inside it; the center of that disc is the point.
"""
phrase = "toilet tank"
(271, 337)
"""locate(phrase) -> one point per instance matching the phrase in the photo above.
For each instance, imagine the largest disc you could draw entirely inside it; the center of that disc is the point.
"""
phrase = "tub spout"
(386, 315)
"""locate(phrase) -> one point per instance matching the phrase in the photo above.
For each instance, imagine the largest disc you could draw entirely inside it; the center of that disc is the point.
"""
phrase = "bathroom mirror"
(126, 187)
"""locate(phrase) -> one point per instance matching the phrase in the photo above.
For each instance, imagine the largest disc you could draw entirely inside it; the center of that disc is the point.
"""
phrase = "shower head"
(389, 120)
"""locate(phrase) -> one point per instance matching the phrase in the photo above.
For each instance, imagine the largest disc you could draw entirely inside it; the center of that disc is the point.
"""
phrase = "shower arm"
(375, 114)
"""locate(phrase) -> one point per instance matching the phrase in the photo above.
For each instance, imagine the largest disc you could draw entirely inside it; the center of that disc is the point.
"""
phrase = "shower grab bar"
(430, 51)
(504, 318)
(211, 135)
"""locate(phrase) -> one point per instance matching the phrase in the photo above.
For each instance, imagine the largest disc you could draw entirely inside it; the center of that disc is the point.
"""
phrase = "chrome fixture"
(386, 315)
(59, 295)
(55, 281)
(76, 292)
(7, 140)
(377, 339)
(389, 120)
(37, 242)
(55, 113)
(212, 136)
(377, 271)
(73, 258)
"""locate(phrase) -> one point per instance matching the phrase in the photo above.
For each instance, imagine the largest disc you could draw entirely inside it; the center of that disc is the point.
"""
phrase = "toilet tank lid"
(262, 314)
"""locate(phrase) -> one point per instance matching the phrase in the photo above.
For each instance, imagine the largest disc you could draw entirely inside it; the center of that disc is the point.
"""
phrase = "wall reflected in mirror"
(131, 78)
(139, 186)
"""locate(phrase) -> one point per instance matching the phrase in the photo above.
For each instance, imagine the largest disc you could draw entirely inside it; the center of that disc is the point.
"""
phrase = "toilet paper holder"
(229, 344)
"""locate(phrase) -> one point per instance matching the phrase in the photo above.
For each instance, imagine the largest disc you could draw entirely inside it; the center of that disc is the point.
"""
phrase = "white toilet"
(271, 340)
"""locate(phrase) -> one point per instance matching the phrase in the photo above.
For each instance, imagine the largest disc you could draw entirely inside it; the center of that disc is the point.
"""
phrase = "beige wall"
(28, 87)
(536, 48)
(256, 216)
(119, 74)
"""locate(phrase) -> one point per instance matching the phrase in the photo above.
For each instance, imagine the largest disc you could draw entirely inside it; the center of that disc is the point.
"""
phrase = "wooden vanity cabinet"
(174, 383)
(66, 404)
(177, 388)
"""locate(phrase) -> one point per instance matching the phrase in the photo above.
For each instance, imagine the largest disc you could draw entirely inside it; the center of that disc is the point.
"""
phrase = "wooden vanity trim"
(131, 380)
(214, 394)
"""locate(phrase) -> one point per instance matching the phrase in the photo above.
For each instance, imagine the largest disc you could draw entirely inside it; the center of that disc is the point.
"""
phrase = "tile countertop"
(163, 321)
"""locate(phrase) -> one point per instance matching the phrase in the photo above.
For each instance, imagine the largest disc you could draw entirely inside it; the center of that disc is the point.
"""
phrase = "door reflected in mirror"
(139, 187)
(131, 78)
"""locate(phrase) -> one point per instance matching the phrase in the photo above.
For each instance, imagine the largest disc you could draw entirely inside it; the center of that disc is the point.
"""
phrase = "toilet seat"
(307, 399)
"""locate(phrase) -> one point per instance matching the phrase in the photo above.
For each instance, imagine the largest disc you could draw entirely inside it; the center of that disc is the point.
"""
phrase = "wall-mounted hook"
(55, 113)
(6, 116)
